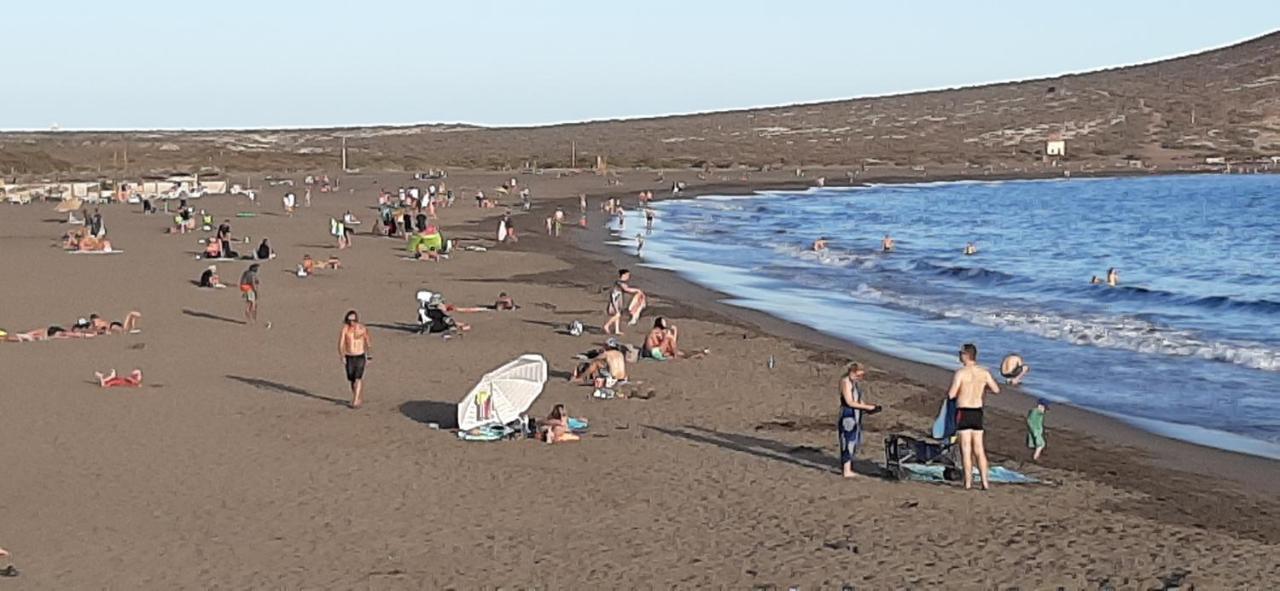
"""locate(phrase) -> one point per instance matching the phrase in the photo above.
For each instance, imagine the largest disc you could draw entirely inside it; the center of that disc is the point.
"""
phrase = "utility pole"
(573, 153)
(344, 154)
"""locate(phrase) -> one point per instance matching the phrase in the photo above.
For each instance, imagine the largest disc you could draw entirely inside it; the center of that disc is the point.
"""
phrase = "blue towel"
(945, 425)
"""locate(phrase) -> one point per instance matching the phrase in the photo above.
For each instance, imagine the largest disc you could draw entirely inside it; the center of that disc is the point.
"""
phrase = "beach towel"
(934, 473)
(246, 214)
(113, 251)
(945, 425)
(578, 425)
(486, 433)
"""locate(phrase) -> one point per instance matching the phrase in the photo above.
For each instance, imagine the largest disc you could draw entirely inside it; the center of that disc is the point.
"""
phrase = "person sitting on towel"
(213, 250)
(556, 426)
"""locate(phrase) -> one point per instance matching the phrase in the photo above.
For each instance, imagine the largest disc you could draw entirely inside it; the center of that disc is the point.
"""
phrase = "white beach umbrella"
(504, 393)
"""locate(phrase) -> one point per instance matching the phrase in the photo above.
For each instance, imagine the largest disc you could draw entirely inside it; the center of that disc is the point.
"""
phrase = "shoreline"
(1256, 472)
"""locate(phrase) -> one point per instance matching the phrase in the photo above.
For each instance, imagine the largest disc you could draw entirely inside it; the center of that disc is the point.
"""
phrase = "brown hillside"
(1222, 102)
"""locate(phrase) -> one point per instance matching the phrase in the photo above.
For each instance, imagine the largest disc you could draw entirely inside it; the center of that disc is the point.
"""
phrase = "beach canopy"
(504, 393)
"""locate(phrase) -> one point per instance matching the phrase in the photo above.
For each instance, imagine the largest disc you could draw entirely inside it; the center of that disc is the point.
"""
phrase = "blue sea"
(1188, 344)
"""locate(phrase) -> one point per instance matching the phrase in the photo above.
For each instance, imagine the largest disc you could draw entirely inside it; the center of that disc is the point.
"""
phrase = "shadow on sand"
(802, 456)
(404, 327)
(444, 414)
(206, 315)
(271, 386)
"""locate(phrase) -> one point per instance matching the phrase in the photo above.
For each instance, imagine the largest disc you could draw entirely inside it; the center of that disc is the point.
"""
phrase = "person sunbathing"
(71, 239)
(332, 263)
(128, 325)
(308, 265)
(92, 244)
(505, 303)
(556, 426)
(133, 380)
(39, 334)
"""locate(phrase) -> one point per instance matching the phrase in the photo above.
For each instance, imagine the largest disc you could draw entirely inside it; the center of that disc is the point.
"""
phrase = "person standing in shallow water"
(353, 349)
(852, 407)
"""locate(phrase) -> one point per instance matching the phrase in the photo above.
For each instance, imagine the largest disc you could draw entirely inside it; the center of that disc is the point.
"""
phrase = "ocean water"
(1188, 345)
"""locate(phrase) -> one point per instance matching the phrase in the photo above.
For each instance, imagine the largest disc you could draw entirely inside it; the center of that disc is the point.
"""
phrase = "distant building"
(1055, 147)
(1215, 160)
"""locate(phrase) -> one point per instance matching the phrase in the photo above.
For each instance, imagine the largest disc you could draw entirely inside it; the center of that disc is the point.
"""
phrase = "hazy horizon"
(503, 64)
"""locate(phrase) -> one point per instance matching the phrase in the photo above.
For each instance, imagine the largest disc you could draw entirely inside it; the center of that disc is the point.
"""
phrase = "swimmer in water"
(1095, 280)
(887, 243)
(1113, 277)
(820, 245)
(970, 249)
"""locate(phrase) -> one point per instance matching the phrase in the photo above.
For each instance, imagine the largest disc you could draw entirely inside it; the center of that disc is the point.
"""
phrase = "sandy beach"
(237, 465)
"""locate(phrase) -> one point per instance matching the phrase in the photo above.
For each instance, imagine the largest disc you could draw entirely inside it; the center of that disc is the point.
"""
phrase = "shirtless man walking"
(353, 348)
(971, 382)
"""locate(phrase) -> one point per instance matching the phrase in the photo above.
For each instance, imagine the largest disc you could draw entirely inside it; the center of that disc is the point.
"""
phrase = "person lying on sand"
(504, 303)
(606, 368)
(41, 334)
(133, 380)
(98, 325)
(555, 428)
(209, 278)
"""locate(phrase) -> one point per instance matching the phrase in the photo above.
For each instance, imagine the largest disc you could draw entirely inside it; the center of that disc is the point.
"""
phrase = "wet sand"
(237, 465)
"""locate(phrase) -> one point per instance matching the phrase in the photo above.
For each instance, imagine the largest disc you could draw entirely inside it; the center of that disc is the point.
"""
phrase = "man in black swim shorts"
(968, 387)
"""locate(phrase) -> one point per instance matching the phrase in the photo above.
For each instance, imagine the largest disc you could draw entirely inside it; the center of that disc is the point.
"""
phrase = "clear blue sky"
(237, 63)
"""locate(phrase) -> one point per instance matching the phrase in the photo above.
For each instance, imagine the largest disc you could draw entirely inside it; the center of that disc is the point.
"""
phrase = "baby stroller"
(900, 449)
(431, 316)
(938, 449)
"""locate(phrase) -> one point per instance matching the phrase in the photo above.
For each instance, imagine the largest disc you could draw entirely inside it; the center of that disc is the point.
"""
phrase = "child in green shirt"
(1035, 428)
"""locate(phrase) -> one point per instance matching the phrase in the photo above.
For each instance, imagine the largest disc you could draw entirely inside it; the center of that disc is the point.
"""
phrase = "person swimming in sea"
(887, 244)
(820, 245)
(1113, 277)
(970, 249)
(1095, 280)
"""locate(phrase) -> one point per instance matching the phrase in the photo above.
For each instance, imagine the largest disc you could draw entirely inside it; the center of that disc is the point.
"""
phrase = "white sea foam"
(1095, 330)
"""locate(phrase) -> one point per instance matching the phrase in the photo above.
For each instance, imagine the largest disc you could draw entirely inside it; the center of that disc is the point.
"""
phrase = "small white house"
(1055, 148)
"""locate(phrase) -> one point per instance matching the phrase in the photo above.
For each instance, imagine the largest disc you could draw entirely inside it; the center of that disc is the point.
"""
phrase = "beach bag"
(575, 328)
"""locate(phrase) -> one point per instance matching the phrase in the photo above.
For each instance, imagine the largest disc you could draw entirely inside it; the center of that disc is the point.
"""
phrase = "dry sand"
(236, 466)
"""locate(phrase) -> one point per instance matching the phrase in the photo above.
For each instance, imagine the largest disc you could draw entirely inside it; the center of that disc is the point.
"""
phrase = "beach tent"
(504, 393)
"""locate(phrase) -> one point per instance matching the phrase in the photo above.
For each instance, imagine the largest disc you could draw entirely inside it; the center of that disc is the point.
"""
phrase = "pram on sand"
(431, 315)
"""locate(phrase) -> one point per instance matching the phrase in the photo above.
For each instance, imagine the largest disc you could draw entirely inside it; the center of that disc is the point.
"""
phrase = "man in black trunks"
(968, 387)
